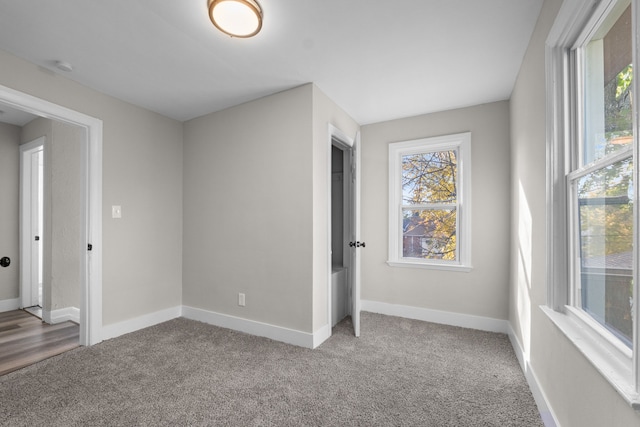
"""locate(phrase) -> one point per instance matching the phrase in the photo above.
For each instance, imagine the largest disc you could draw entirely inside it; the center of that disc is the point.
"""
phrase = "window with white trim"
(429, 209)
(593, 233)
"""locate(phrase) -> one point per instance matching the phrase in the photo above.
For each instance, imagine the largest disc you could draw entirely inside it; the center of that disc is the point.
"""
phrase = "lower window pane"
(429, 234)
(606, 247)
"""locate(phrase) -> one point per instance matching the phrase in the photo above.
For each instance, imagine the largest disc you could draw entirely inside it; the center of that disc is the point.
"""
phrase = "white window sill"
(430, 266)
(612, 361)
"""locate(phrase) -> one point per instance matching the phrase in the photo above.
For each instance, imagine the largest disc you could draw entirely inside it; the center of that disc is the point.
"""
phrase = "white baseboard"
(321, 335)
(132, 325)
(436, 316)
(62, 315)
(546, 412)
(9, 304)
(277, 333)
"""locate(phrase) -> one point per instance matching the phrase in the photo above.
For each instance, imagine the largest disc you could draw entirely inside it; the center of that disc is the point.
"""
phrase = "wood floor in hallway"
(25, 339)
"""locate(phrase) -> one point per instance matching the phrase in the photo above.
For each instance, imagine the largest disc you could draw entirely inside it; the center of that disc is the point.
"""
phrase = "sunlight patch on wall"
(524, 239)
(525, 230)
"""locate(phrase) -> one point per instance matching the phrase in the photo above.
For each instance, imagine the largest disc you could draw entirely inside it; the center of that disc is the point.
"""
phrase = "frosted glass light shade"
(237, 18)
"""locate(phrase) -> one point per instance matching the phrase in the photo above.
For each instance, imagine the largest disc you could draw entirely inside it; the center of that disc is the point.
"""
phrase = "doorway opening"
(344, 229)
(89, 256)
(340, 233)
(32, 225)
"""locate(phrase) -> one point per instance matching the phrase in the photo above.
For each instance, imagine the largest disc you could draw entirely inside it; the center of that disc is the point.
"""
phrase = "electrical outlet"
(241, 299)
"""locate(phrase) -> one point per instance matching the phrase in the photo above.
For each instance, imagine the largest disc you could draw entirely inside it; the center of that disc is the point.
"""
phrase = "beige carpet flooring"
(184, 373)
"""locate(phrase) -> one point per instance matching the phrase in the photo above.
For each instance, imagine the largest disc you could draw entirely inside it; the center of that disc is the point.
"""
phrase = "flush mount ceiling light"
(237, 18)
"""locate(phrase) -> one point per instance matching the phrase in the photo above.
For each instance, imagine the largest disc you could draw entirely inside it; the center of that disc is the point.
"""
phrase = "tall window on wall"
(593, 233)
(429, 203)
(601, 178)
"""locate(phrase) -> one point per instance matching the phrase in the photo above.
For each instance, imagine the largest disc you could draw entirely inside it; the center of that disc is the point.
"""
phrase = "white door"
(356, 245)
(37, 222)
(31, 225)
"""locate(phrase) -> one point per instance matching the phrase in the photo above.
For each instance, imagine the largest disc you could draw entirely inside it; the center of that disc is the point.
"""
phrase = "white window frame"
(616, 362)
(461, 143)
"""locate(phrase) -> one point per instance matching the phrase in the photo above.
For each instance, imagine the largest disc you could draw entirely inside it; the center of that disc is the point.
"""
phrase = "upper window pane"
(608, 87)
(429, 178)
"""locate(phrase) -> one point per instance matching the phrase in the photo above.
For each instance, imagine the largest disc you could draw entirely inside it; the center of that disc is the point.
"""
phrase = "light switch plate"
(116, 211)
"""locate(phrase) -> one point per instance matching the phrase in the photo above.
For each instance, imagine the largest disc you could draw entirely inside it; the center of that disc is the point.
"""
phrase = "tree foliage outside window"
(428, 182)
(618, 100)
(606, 247)
(606, 210)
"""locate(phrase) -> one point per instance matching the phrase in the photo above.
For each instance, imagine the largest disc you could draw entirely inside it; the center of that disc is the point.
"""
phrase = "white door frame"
(91, 278)
(29, 267)
(347, 144)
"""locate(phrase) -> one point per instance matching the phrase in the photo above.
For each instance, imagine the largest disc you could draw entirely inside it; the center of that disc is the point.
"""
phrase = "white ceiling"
(378, 60)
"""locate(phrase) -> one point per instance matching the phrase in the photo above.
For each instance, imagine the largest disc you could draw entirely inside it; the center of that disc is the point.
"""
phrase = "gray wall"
(9, 210)
(578, 394)
(248, 210)
(142, 172)
(481, 292)
(66, 211)
(256, 197)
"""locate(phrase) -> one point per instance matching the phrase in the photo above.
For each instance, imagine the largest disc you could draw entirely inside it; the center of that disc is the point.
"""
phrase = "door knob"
(5, 261)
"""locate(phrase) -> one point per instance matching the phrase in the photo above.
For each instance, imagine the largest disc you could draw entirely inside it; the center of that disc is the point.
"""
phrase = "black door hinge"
(89, 246)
